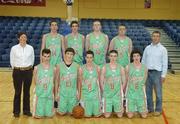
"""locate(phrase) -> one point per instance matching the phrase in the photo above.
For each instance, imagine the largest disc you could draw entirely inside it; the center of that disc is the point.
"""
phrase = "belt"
(23, 68)
(150, 70)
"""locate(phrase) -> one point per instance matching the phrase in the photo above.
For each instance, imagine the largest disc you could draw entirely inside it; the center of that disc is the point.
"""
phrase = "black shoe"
(28, 114)
(16, 115)
(55, 104)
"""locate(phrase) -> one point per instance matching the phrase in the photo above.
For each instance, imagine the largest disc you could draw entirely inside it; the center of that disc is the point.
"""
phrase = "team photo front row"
(99, 91)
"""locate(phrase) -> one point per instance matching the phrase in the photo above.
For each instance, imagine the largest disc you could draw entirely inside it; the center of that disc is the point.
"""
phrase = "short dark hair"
(90, 52)
(46, 51)
(122, 25)
(21, 33)
(135, 51)
(70, 50)
(53, 20)
(74, 22)
(156, 32)
(113, 51)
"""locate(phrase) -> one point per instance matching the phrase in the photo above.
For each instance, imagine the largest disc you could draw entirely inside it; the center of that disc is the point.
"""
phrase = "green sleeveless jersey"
(90, 87)
(44, 82)
(136, 81)
(54, 44)
(112, 84)
(76, 44)
(122, 46)
(98, 45)
(68, 80)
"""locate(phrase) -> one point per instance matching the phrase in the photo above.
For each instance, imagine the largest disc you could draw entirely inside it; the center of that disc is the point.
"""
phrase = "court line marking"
(164, 117)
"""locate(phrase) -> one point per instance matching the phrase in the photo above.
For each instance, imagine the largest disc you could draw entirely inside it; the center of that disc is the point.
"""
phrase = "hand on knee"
(130, 115)
(107, 115)
(119, 115)
(143, 115)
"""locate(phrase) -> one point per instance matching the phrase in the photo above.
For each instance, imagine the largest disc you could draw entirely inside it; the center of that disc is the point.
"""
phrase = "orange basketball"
(78, 112)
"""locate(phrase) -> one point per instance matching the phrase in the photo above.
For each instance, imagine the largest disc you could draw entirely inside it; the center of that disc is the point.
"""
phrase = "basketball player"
(54, 42)
(112, 78)
(67, 86)
(136, 74)
(89, 75)
(76, 41)
(98, 43)
(123, 45)
(44, 78)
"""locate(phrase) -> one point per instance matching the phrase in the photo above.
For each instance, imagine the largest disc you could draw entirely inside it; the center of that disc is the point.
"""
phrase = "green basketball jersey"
(68, 80)
(90, 87)
(136, 81)
(54, 44)
(44, 82)
(112, 84)
(76, 44)
(98, 45)
(122, 46)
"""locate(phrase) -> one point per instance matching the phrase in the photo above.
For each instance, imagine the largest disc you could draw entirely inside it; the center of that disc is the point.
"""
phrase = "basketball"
(78, 112)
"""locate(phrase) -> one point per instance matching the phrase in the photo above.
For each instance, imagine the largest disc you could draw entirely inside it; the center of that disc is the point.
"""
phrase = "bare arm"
(98, 82)
(63, 43)
(54, 80)
(146, 74)
(102, 78)
(130, 47)
(111, 46)
(79, 82)
(87, 46)
(35, 74)
(126, 78)
(83, 42)
(43, 45)
(107, 43)
(57, 81)
(123, 76)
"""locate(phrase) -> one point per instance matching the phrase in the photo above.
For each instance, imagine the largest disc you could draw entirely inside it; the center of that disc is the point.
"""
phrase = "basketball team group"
(113, 79)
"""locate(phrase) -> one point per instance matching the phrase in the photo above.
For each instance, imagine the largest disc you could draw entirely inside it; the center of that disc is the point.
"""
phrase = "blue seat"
(5, 57)
(4, 45)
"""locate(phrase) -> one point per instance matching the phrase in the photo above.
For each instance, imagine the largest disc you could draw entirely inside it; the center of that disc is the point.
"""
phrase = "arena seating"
(172, 28)
(35, 27)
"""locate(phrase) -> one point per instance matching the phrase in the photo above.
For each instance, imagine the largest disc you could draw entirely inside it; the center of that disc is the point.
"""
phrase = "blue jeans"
(154, 82)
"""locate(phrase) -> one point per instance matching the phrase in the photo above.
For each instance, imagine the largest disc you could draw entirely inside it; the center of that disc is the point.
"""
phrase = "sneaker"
(157, 113)
(28, 114)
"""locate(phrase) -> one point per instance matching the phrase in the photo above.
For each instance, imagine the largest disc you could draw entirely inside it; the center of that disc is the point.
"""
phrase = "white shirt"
(155, 58)
(22, 56)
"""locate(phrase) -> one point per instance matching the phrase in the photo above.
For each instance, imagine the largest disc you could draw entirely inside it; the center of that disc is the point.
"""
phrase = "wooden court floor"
(171, 107)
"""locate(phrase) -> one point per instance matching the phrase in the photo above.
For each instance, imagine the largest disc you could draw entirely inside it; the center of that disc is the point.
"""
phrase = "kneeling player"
(44, 78)
(136, 74)
(112, 79)
(67, 87)
(89, 75)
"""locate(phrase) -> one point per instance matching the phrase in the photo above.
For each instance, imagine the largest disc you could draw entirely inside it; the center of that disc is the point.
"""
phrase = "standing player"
(75, 40)
(98, 43)
(67, 86)
(44, 78)
(54, 42)
(112, 78)
(123, 45)
(89, 75)
(136, 74)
